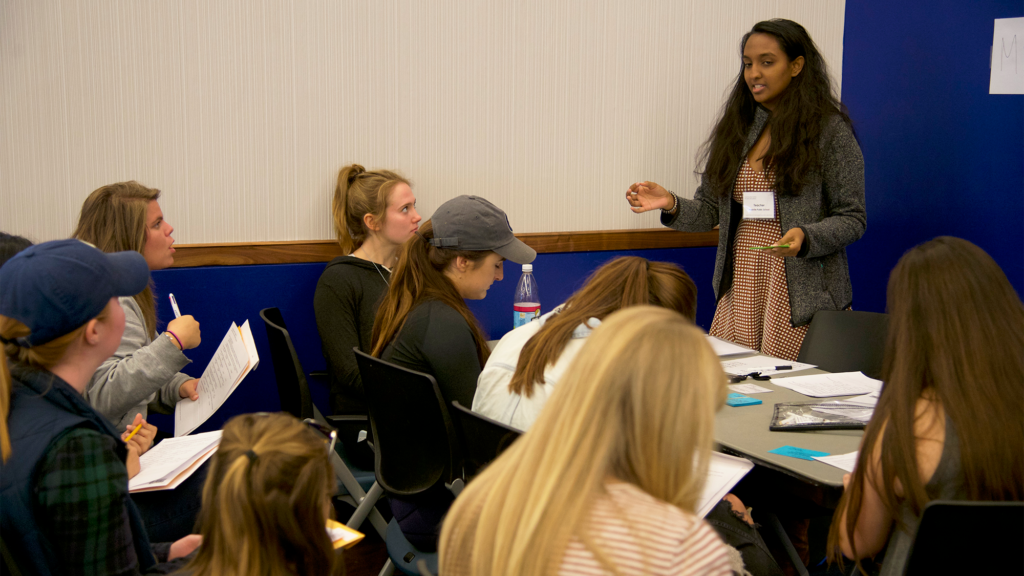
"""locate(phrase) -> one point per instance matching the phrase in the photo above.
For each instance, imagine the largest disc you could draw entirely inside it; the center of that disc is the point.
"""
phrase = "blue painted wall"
(219, 295)
(942, 155)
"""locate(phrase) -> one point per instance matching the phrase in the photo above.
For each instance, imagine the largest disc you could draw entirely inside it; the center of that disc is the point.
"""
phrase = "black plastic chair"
(846, 341)
(359, 486)
(482, 438)
(968, 538)
(415, 444)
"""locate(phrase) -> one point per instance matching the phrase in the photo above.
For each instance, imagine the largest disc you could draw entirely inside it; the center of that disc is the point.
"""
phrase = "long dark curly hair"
(796, 122)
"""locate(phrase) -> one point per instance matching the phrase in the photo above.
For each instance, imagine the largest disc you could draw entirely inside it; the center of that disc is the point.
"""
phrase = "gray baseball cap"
(473, 223)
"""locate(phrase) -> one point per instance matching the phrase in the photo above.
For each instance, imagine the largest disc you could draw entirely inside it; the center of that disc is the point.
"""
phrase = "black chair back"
(291, 380)
(846, 341)
(968, 538)
(415, 445)
(482, 438)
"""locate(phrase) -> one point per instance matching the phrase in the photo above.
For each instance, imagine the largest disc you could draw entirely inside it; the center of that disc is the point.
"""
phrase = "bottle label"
(524, 313)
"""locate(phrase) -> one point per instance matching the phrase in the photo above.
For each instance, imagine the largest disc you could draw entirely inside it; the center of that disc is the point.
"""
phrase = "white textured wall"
(242, 111)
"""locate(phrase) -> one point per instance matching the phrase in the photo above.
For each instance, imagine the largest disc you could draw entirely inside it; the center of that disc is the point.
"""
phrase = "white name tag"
(759, 205)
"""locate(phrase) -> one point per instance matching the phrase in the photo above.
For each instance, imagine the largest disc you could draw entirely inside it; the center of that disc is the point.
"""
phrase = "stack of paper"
(859, 407)
(173, 460)
(723, 473)
(235, 357)
(825, 385)
(725, 348)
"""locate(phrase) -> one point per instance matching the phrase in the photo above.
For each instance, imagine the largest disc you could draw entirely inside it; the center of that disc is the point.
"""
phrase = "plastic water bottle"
(527, 300)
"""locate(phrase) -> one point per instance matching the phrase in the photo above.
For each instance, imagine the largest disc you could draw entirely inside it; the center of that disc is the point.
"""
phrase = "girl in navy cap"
(423, 322)
(64, 493)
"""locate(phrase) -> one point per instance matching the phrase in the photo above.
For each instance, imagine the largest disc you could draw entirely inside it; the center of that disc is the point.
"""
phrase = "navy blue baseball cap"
(55, 287)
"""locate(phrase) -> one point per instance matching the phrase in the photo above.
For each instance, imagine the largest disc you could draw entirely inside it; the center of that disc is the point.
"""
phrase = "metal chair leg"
(388, 569)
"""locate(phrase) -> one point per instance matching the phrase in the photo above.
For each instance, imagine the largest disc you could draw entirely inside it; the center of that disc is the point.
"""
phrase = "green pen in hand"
(767, 247)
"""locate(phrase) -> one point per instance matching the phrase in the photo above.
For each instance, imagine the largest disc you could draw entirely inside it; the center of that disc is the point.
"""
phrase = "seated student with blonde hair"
(266, 502)
(64, 476)
(609, 476)
(374, 214)
(143, 372)
(526, 365)
(949, 423)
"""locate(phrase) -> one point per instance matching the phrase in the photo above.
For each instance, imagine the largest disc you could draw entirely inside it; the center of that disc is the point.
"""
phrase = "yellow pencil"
(137, 428)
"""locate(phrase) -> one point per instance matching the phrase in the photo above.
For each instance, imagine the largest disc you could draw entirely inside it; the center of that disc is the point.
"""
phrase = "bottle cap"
(527, 268)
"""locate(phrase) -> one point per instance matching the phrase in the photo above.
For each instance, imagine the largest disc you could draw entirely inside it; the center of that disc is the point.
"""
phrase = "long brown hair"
(113, 219)
(419, 276)
(266, 501)
(796, 122)
(622, 413)
(44, 356)
(623, 282)
(956, 335)
(357, 194)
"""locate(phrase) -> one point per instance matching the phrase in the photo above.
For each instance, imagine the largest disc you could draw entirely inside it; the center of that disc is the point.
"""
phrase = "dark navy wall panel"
(942, 155)
(217, 296)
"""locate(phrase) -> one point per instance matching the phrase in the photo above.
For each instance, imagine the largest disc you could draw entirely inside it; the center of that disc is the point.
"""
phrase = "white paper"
(250, 346)
(222, 374)
(723, 473)
(748, 389)
(763, 364)
(825, 385)
(842, 461)
(1007, 75)
(179, 478)
(725, 348)
(168, 458)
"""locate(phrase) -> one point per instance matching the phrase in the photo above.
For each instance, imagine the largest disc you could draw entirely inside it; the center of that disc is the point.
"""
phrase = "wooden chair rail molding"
(236, 254)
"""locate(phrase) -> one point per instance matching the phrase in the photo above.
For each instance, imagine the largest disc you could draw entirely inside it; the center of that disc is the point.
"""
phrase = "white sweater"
(493, 398)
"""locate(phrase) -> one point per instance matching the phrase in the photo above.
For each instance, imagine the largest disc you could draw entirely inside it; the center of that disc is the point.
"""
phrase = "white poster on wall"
(1007, 57)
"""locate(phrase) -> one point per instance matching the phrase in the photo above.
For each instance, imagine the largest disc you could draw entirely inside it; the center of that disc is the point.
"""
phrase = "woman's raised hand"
(644, 196)
(187, 330)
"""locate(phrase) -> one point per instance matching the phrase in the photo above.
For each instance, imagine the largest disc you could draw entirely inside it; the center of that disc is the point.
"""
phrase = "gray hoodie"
(142, 372)
(830, 210)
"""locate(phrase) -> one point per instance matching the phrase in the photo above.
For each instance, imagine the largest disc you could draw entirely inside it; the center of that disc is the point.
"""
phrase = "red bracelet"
(176, 339)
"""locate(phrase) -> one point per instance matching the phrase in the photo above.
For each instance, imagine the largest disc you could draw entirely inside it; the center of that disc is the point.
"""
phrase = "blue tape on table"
(794, 452)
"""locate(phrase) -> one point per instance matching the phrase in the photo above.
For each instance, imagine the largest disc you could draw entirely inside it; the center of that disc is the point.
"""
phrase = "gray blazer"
(830, 210)
(141, 371)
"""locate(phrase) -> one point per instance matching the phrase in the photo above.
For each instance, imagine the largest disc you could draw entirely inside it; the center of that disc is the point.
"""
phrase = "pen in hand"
(174, 305)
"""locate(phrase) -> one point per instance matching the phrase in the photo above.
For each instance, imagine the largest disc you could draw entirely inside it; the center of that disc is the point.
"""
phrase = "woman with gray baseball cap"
(423, 322)
(65, 468)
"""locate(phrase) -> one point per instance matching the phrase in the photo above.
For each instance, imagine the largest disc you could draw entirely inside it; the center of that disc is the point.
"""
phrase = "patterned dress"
(755, 311)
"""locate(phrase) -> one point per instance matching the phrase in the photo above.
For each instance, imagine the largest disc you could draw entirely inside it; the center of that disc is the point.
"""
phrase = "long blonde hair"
(623, 282)
(266, 501)
(44, 356)
(624, 412)
(113, 219)
(357, 194)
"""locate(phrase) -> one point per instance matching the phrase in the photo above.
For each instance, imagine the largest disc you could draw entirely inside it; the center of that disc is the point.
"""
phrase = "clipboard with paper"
(234, 359)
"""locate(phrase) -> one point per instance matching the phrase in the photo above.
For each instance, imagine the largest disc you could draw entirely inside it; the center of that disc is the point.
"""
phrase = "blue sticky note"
(735, 400)
(794, 452)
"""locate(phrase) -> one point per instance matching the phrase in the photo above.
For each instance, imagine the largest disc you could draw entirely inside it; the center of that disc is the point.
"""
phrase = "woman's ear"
(92, 332)
(370, 222)
(796, 66)
(461, 264)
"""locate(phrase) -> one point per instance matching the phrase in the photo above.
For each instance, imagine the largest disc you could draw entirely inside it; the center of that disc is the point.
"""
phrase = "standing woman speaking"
(783, 177)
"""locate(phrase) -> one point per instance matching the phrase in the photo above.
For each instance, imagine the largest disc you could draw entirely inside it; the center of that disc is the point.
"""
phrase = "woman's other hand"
(184, 547)
(190, 389)
(187, 330)
(644, 196)
(795, 239)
